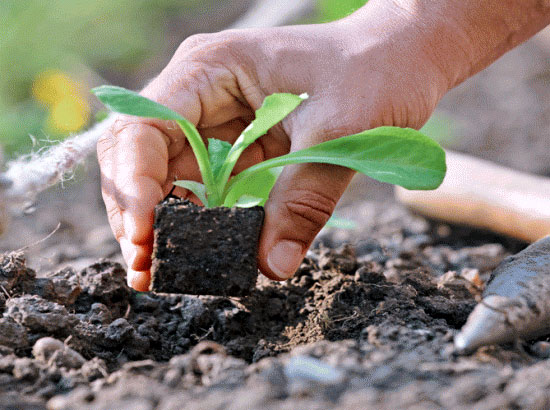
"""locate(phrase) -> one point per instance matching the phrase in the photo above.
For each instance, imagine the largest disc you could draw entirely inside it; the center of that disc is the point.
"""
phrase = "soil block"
(205, 251)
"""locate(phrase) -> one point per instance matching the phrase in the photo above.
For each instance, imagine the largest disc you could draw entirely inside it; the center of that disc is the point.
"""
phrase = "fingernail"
(285, 258)
(138, 280)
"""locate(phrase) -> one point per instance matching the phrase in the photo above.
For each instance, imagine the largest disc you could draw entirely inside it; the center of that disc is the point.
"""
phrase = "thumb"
(300, 204)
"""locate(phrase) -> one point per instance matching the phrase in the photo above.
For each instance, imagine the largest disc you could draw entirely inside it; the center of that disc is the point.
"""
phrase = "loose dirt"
(367, 322)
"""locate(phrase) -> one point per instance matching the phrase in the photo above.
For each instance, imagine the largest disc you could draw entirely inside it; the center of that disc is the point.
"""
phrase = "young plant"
(400, 156)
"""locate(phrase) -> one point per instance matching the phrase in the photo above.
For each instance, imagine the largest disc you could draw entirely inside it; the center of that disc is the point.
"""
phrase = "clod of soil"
(205, 251)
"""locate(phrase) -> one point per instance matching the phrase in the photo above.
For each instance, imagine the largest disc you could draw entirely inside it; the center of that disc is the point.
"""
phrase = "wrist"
(459, 37)
(383, 29)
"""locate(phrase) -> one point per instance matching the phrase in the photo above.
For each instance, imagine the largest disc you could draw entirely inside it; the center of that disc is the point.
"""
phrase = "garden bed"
(367, 322)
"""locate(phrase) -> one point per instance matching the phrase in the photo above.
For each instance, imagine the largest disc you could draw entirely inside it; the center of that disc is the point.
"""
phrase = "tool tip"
(486, 325)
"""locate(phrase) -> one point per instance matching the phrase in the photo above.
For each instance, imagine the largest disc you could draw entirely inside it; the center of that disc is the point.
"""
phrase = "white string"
(32, 174)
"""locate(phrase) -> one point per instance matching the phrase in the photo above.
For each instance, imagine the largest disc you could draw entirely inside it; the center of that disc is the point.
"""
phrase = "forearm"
(461, 37)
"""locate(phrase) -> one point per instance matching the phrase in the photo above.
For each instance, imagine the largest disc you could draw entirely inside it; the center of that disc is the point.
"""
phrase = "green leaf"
(248, 201)
(128, 102)
(400, 156)
(274, 109)
(260, 186)
(336, 221)
(196, 187)
(217, 153)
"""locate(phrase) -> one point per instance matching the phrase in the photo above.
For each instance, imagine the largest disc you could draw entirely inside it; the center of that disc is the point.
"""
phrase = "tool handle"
(485, 195)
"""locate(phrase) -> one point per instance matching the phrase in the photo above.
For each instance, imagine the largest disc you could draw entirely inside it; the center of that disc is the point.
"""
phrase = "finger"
(300, 204)
(228, 132)
(139, 280)
(140, 166)
(138, 230)
(179, 87)
(183, 167)
(105, 153)
(252, 155)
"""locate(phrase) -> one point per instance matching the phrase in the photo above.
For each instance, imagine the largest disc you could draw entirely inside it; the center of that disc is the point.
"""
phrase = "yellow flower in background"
(65, 97)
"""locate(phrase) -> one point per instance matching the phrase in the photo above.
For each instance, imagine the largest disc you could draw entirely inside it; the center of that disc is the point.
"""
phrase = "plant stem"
(229, 164)
(201, 154)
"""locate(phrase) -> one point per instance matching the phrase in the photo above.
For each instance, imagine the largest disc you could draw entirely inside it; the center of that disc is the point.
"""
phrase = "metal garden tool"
(516, 301)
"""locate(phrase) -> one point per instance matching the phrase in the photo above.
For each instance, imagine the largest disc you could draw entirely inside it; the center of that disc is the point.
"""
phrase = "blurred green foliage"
(71, 36)
(442, 128)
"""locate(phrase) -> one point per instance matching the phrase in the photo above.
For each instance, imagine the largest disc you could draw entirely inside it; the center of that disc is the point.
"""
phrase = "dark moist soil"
(367, 322)
(205, 251)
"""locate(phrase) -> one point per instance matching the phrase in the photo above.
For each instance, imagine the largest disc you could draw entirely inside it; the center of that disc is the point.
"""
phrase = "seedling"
(400, 156)
(214, 249)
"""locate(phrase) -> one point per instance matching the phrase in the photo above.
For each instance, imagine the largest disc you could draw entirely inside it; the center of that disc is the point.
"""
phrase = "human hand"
(217, 81)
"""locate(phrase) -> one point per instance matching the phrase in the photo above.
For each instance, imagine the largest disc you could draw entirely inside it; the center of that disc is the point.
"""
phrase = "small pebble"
(47, 347)
(309, 369)
(472, 275)
(541, 350)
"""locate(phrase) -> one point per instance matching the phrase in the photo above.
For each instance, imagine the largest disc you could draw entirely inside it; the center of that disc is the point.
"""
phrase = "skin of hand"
(377, 67)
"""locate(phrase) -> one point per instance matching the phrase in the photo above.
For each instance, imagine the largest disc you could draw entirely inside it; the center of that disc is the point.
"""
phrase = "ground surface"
(366, 323)
(379, 310)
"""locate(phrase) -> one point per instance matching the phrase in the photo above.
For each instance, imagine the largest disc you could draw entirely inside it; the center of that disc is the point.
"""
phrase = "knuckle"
(199, 47)
(193, 41)
(128, 127)
(311, 210)
(113, 213)
(221, 49)
(115, 221)
(108, 141)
